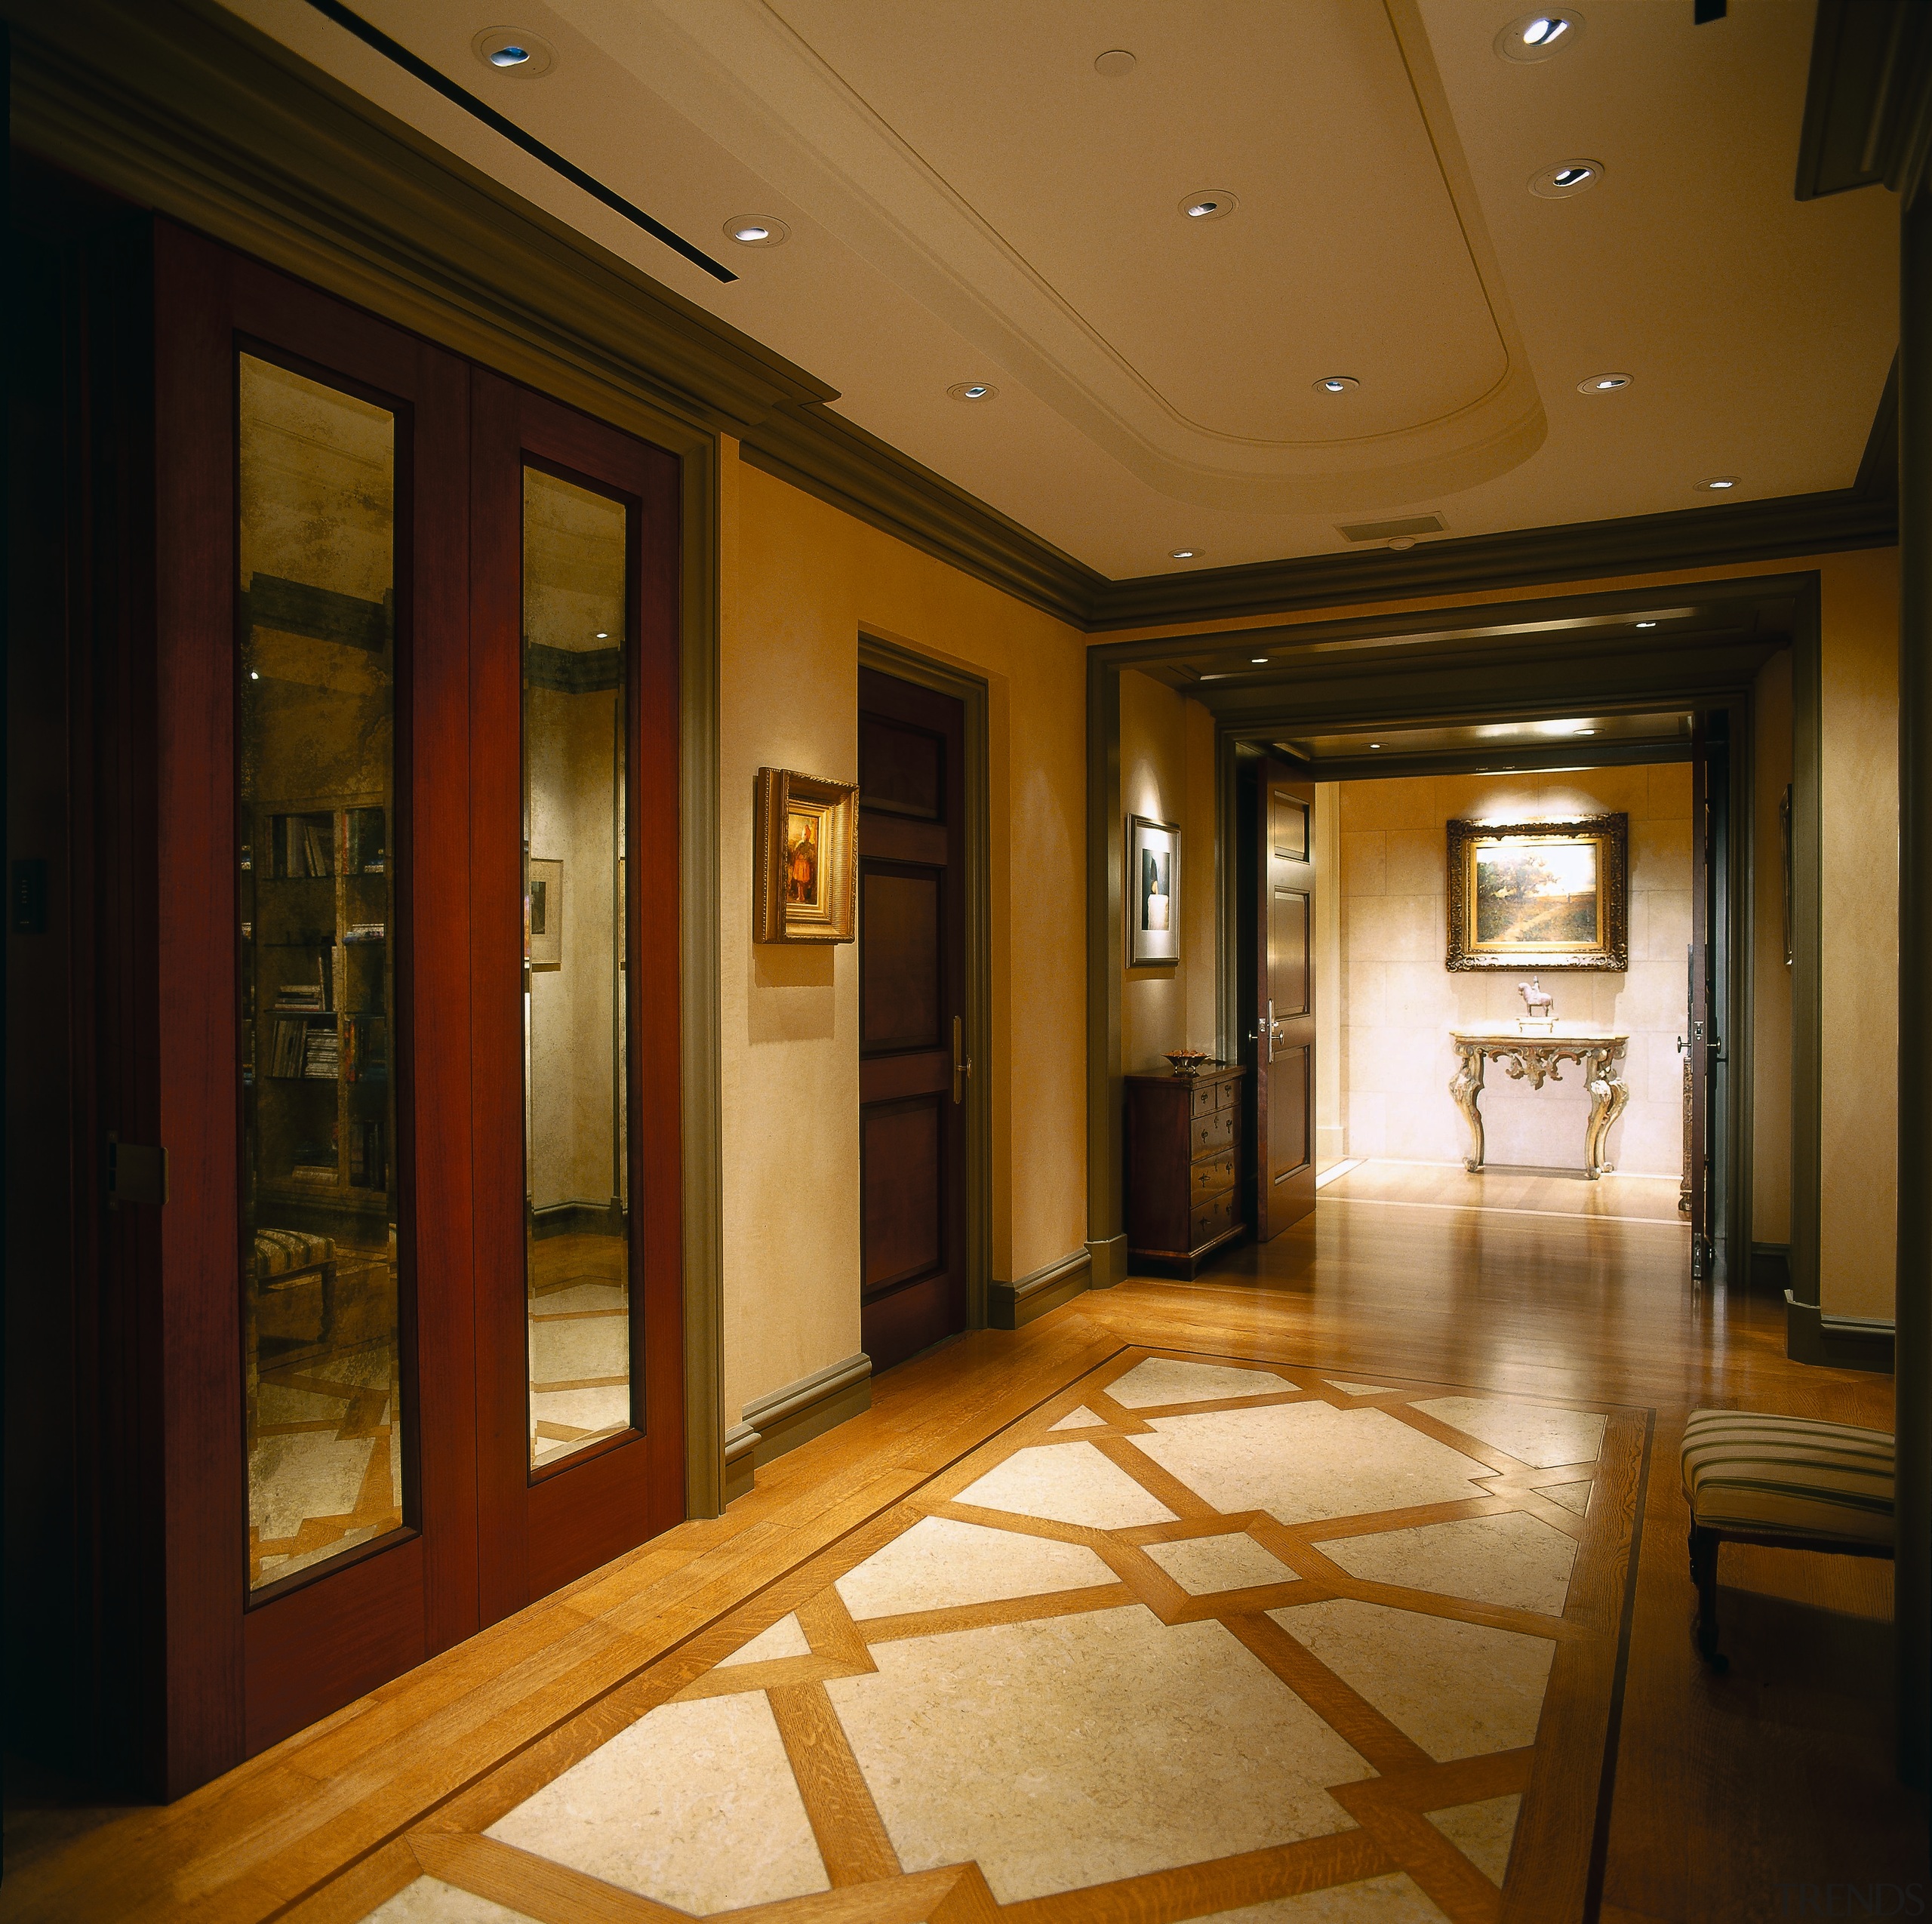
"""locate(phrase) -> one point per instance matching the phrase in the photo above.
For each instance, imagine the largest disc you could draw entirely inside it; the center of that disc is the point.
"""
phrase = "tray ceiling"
(969, 200)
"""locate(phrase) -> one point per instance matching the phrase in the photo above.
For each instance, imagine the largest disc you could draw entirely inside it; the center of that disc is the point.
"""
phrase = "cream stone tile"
(938, 1563)
(570, 1351)
(1660, 854)
(582, 1298)
(1358, 1389)
(1649, 1139)
(584, 1409)
(1302, 1461)
(275, 1403)
(1483, 1832)
(1160, 1379)
(1396, 1899)
(1572, 1496)
(1364, 855)
(275, 1566)
(1366, 992)
(371, 1368)
(1082, 1418)
(1515, 1560)
(429, 1901)
(1367, 1123)
(1398, 802)
(1460, 1690)
(1203, 1564)
(1667, 926)
(1530, 1432)
(786, 1638)
(1670, 791)
(1070, 1482)
(1421, 995)
(1073, 1751)
(694, 1804)
(1416, 862)
(310, 1475)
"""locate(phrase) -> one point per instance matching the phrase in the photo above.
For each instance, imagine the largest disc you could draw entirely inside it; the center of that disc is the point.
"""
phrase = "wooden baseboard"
(1770, 1269)
(577, 1219)
(1013, 1305)
(1836, 1342)
(781, 1421)
(1109, 1255)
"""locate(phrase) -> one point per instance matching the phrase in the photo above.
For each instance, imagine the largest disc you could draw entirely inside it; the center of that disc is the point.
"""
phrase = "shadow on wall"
(805, 1009)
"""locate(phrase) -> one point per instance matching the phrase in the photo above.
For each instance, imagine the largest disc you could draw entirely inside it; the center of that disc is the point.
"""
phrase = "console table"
(1534, 1058)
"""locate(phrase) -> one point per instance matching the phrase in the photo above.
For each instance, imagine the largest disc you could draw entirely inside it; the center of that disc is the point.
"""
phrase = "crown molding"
(178, 106)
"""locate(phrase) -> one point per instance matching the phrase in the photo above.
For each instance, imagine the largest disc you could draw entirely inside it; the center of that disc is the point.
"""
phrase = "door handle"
(962, 1063)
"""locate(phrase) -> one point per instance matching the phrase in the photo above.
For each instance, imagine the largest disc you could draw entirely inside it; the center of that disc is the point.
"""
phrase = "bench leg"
(1704, 1575)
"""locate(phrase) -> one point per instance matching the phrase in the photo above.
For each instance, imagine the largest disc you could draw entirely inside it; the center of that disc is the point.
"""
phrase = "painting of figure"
(801, 858)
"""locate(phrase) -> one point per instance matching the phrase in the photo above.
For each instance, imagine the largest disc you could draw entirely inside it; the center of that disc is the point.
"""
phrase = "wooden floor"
(1538, 1192)
(1727, 1791)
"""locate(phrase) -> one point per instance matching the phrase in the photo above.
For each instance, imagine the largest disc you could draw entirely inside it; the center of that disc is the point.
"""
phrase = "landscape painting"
(1551, 893)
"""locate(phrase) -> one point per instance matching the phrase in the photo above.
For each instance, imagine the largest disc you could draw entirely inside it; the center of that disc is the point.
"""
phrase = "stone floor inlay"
(1515, 1559)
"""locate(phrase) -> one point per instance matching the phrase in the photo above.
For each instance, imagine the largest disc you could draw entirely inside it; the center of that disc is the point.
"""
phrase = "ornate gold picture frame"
(807, 852)
(1540, 894)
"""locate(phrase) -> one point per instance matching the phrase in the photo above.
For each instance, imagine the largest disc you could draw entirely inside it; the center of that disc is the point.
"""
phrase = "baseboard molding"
(781, 1421)
(1838, 1342)
(1771, 1269)
(577, 1219)
(1109, 1256)
(1013, 1305)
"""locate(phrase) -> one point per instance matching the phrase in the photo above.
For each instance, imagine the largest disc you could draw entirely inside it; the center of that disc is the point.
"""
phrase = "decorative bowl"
(1185, 1062)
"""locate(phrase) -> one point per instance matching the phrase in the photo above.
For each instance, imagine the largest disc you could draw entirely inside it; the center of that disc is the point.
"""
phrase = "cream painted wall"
(1771, 1011)
(1400, 1001)
(799, 582)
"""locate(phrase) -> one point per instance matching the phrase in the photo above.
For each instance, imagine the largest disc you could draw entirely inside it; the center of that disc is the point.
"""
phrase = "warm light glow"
(1200, 209)
(1541, 33)
(751, 233)
(509, 56)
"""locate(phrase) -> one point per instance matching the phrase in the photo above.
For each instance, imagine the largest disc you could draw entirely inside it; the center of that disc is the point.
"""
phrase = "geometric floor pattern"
(580, 1344)
(1197, 1638)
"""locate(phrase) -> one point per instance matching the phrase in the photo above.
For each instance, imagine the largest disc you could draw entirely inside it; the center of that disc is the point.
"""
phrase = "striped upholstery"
(1816, 1483)
(283, 1252)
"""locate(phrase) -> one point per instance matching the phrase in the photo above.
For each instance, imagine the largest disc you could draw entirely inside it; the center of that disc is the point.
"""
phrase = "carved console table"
(1534, 1058)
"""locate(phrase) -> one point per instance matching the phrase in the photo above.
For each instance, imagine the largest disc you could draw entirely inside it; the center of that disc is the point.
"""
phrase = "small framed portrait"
(543, 914)
(1153, 891)
(808, 857)
(1552, 894)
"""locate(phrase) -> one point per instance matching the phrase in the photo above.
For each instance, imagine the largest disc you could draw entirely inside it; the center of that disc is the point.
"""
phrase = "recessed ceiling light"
(509, 49)
(1114, 64)
(1719, 484)
(1537, 36)
(1565, 178)
(1375, 744)
(254, 674)
(973, 390)
(758, 230)
(1257, 661)
(1586, 731)
(603, 635)
(1180, 554)
(1401, 544)
(1647, 624)
(1336, 384)
(1210, 204)
(1603, 383)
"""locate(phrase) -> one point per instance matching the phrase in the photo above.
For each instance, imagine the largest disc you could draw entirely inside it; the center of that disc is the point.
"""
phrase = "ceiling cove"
(1029, 204)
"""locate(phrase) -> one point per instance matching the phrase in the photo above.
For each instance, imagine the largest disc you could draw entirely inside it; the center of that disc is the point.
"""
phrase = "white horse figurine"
(1540, 1004)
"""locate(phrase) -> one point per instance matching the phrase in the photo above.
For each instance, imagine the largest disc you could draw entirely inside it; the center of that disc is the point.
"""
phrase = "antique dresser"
(1184, 1162)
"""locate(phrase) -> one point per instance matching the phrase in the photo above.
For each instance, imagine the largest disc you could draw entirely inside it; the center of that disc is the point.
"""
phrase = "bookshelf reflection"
(575, 575)
(325, 1394)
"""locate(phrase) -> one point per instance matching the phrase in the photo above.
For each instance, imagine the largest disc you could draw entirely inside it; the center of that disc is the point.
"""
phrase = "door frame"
(893, 656)
(1715, 669)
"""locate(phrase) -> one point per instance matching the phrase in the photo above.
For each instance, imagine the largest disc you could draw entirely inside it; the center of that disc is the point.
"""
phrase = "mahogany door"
(1697, 1037)
(1284, 998)
(913, 1059)
(573, 835)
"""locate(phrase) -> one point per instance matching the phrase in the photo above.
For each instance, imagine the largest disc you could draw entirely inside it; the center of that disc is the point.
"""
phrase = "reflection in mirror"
(576, 1075)
(325, 1394)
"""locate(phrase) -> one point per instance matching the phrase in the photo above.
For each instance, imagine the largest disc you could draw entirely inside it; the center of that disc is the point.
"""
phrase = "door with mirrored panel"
(578, 1020)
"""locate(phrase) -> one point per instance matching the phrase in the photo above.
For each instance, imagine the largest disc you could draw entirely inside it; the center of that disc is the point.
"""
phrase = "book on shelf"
(365, 1050)
(314, 1173)
(365, 932)
(322, 1055)
(368, 1160)
(303, 998)
(284, 1053)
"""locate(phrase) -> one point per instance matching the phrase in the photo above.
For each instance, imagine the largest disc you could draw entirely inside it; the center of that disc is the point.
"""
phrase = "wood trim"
(1838, 1342)
(1105, 953)
(1806, 944)
(1014, 1305)
(1868, 102)
(891, 658)
(783, 1418)
(178, 105)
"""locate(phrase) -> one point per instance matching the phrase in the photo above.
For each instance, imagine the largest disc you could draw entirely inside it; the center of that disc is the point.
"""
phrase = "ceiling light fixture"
(1647, 624)
(1336, 384)
(973, 390)
(1719, 484)
(758, 230)
(1402, 543)
(509, 49)
(1586, 731)
(1532, 37)
(1180, 554)
(1116, 63)
(1257, 661)
(1605, 383)
(1565, 178)
(603, 635)
(1375, 744)
(1210, 204)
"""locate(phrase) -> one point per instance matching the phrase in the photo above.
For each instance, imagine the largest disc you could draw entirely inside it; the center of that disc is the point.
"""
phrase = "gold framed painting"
(1153, 892)
(543, 914)
(1541, 894)
(808, 857)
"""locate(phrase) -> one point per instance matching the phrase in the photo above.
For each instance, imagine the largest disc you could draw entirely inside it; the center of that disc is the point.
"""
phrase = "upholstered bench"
(279, 1259)
(1787, 1482)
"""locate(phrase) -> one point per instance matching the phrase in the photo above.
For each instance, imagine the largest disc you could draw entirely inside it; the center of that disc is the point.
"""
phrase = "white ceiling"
(969, 200)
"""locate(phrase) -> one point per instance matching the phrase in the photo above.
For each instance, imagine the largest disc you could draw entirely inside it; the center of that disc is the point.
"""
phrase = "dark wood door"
(913, 1052)
(579, 1355)
(1697, 1039)
(1285, 997)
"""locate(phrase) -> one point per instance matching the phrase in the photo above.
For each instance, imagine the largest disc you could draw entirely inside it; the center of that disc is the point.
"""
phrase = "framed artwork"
(543, 913)
(808, 857)
(1153, 891)
(1549, 894)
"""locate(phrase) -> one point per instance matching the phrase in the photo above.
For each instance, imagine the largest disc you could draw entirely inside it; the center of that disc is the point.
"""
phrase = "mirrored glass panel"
(575, 1073)
(322, 1312)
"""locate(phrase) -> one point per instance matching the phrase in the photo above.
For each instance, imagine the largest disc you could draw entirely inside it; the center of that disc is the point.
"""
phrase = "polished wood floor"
(1727, 1792)
(1536, 1192)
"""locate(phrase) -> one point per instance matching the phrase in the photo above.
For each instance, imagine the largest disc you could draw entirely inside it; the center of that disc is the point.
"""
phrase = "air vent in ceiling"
(1390, 531)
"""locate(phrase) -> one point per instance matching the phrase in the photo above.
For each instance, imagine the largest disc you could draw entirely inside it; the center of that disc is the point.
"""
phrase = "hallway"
(1783, 1767)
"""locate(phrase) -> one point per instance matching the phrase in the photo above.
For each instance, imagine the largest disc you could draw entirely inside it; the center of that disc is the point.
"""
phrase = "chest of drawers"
(1183, 1163)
